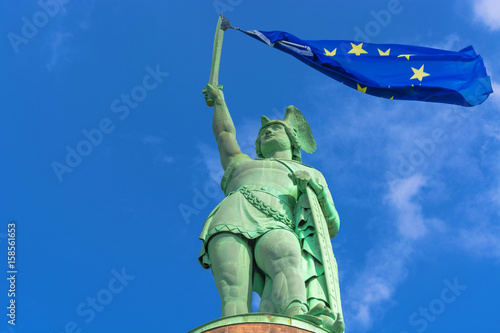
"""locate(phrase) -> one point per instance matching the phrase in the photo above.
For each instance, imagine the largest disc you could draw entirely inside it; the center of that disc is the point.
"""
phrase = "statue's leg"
(266, 301)
(278, 254)
(232, 259)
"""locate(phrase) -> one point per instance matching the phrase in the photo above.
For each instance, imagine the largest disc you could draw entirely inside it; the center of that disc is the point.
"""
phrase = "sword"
(329, 261)
(222, 25)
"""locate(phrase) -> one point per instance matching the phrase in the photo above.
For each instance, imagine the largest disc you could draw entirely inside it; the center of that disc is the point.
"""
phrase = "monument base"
(258, 323)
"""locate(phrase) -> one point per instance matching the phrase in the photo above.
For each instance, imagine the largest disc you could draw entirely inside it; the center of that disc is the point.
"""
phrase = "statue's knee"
(290, 261)
(227, 278)
(286, 267)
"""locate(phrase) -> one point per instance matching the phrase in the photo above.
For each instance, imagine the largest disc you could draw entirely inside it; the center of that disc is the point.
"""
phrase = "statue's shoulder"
(291, 163)
(300, 165)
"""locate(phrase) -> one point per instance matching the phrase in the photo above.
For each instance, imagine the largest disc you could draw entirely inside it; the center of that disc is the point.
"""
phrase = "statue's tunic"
(269, 181)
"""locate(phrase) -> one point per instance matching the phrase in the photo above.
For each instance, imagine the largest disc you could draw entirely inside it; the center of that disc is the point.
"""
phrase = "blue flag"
(390, 70)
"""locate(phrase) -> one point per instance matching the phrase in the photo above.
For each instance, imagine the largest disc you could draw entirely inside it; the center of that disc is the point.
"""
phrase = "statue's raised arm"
(222, 126)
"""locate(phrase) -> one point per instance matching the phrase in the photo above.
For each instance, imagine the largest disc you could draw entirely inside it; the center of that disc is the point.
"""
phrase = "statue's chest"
(263, 172)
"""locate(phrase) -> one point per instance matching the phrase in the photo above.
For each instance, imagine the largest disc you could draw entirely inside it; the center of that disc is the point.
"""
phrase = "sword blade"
(214, 72)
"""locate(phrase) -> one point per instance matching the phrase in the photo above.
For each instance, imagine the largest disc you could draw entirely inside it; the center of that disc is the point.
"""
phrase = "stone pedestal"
(258, 323)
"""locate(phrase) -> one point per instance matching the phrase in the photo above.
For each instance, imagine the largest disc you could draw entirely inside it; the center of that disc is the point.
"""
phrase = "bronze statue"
(263, 236)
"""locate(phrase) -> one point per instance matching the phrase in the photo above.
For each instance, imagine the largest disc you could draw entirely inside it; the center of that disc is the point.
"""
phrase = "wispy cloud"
(385, 268)
(157, 144)
(59, 50)
(483, 241)
(410, 221)
(60, 37)
(86, 12)
(211, 161)
(488, 13)
(387, 264)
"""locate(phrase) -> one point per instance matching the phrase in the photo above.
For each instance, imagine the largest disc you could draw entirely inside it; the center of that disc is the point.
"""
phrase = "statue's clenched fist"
(212, 93)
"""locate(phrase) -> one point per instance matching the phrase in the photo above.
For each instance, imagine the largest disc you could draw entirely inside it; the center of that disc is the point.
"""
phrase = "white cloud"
(387, 264)
(385, 269)
(210, 158)
(481, 241)
(488, 13)
(410, 221)
(59, 51)
(86, 13)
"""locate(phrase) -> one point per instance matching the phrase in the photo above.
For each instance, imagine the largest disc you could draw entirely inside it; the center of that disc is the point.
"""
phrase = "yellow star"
(357, 49)
(331, 53)
(419, 73)
(382, 53)
(363, 90)
(407, 56)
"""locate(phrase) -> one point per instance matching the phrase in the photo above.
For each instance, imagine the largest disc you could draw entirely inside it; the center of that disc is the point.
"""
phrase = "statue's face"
(274, 138)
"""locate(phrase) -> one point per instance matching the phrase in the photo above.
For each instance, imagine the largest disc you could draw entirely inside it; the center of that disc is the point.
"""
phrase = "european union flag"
(390, 70)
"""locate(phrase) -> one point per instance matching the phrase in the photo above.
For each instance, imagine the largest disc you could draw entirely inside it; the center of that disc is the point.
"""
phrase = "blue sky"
(108, 243)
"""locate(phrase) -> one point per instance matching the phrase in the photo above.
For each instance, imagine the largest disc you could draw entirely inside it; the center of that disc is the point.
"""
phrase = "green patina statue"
(271, 234)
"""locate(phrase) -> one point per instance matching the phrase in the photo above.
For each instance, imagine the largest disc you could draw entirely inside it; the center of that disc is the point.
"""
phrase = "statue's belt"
(246, 191)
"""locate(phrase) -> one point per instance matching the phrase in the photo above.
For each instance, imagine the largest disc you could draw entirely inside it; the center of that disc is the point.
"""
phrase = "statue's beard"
(274, 145)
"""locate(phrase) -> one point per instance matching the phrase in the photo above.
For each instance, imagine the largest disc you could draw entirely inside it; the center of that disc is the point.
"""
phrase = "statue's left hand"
(303, 178)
